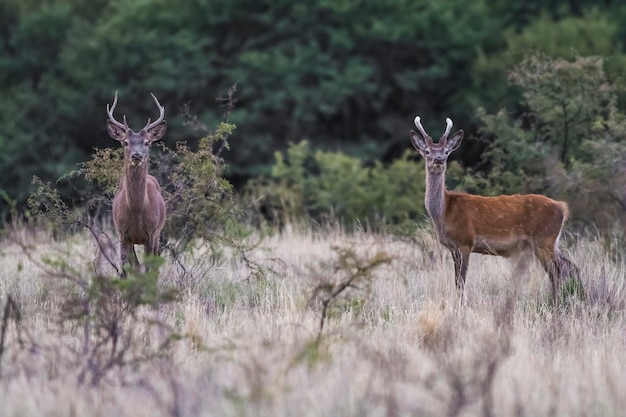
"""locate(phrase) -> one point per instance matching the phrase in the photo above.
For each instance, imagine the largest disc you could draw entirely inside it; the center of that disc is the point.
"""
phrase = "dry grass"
(396, 344)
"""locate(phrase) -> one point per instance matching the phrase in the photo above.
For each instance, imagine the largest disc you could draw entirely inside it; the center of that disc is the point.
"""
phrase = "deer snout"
(136, 156)
(438, 161)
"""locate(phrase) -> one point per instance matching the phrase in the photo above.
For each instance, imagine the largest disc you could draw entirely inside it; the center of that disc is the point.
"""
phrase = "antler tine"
(110, 113)
(448, 127)
(161, 114)
(418, 125)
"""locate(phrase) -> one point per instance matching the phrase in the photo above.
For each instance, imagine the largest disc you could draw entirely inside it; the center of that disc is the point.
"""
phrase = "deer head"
(435, 154)
(136, 144)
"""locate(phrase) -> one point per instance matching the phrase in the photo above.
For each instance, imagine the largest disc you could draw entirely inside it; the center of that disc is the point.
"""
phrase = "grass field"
(395, 343)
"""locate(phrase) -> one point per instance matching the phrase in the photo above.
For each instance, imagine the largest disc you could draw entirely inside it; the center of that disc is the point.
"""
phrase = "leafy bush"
(199, 199)
(569, 143)
(200, 203)
(306, 184)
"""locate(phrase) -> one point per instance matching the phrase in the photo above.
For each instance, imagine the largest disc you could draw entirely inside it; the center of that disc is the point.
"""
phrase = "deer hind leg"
(550, 263)
(568, 270)
(558, 267)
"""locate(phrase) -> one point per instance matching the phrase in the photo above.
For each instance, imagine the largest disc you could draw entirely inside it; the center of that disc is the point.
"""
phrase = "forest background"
(323, 94)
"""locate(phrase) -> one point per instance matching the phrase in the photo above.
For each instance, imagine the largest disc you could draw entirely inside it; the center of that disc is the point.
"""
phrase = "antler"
(112, 119)
(419, 127)
(149, 125)
(448, 127)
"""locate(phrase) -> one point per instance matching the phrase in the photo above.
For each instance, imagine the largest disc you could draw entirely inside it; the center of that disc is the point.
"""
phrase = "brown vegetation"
(395, 344)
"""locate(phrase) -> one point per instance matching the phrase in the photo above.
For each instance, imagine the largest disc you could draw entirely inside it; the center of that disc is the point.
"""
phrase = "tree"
(569, 142)
(342, 74)
(593, 33)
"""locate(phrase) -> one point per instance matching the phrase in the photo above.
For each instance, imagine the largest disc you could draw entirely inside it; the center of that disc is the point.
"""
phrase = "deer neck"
(135, 181)
(434, 199)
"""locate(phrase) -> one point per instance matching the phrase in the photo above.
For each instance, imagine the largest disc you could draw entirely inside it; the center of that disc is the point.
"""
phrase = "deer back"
(506, 218)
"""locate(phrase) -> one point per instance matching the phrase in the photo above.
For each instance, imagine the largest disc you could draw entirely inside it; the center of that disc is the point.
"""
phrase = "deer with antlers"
(138, 206)
(506, 225)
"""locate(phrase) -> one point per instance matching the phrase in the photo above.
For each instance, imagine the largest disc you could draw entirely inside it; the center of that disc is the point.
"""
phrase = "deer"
(504, 225)
(138, 205)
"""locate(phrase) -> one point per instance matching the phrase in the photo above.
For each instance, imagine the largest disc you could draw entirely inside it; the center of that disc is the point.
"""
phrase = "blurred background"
(538, 87)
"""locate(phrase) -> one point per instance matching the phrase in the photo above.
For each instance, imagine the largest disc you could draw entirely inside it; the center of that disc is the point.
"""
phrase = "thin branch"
(617, 200)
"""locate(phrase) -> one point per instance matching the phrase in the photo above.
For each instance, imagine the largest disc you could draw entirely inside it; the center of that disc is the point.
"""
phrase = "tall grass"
(394, 343)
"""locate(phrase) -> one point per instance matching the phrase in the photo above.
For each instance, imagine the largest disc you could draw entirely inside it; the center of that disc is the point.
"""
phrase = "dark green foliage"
(592, 33)
(327, 70)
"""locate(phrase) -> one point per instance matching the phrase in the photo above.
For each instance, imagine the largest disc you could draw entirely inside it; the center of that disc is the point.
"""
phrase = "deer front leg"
(132, 258)
(151, 248)
(128, 255)
(124, 246)
(461, 260)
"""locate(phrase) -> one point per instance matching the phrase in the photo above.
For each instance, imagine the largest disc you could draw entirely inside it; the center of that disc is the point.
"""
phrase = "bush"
(311, 185)
(568, 143)
(200, 203)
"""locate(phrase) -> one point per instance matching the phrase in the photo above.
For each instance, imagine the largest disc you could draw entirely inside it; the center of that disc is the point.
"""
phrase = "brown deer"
(138, 206)
(506, 225)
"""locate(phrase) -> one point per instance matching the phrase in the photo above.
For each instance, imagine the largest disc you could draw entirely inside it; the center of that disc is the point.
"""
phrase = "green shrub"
(199, 199)
(569, 142)
(318, 185)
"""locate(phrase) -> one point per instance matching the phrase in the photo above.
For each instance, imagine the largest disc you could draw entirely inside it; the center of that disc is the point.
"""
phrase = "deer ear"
(115, 131)
(418, 141)
(454, 141)
(156, 132)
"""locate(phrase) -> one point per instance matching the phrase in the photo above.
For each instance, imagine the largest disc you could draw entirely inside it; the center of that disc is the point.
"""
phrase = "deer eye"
(426, 152)
(146, 143)
(125, 143)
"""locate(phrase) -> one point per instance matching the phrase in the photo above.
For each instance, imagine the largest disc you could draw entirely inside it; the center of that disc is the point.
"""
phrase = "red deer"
(505, 225)
(138, 206)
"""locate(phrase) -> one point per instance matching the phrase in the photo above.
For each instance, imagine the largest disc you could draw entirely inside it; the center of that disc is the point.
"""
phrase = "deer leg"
(151, 248)
(125, 249)
(132, 258)
(549, 261)
(460, 255)
(568, 270)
